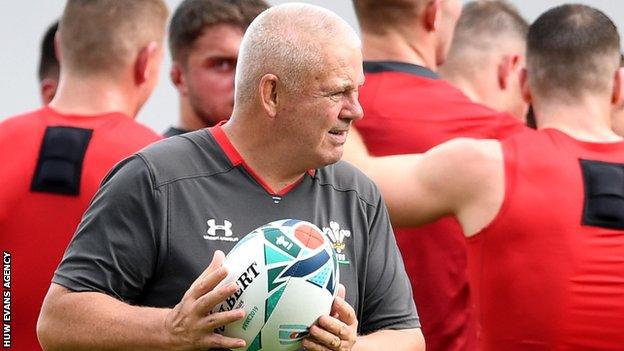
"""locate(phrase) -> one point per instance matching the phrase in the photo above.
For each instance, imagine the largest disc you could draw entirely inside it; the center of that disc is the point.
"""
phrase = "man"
(204, 36)
(143, 240)
(409, 109)
(487, 54)
(48, 65)
(55, 158)
(542, 209)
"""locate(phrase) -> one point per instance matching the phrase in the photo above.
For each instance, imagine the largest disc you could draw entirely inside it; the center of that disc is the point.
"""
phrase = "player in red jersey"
(54, 158)
(487, 53)
(409, 109)
(542, 209)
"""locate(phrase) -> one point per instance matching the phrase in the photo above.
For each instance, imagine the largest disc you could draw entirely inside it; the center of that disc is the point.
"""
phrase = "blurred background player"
(48, 72)
(487, 53)
(54, 158)
(204, 36)
(617, 119)
(542, 209)
(409, 109)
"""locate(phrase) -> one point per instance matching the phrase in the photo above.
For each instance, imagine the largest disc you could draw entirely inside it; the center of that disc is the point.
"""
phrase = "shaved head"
(573, 50)
(484, 28)
(103, 37)
(289, 41)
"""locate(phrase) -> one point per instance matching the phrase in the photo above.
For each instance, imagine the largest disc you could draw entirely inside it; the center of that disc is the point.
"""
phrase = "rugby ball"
(287, 276)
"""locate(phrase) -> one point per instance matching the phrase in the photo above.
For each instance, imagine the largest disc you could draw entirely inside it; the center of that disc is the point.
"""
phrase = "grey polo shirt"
(154, 224)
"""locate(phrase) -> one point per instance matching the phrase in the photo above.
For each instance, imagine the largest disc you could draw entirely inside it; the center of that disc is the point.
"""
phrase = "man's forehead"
(342, 79)
(220, 40)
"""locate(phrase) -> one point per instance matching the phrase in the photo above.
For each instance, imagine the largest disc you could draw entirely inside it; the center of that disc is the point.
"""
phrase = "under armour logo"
(219, 232)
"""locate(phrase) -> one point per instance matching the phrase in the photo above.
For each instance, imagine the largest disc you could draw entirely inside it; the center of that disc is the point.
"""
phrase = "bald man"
(135, 275)
(487, 54)
(542, 210)
(410, 109)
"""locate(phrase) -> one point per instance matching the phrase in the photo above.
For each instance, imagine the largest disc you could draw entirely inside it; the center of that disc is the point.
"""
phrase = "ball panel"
(309, 236)
(278, 238)
(272, 301)
(256, 344)
(297, 300)
(272, 256)
(306, 266)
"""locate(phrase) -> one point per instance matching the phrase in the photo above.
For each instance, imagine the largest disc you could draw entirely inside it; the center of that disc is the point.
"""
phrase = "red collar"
(236, 159)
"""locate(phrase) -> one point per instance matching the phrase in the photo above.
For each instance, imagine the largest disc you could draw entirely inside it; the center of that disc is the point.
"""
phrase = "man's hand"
(191, 324)
(337, 332)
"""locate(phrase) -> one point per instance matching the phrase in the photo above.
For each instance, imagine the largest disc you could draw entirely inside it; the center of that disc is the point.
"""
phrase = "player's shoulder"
(465, 157)
(344, 177)
(23, 120)
(22, 127)
(185, 156)
(139, 132)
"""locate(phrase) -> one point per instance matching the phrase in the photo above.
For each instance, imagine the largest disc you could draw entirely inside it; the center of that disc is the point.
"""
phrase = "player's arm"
(95, 321)
(454, 178)
(396, 340)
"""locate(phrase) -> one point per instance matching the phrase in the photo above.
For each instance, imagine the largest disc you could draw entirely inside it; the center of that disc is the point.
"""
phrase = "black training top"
(153, 227)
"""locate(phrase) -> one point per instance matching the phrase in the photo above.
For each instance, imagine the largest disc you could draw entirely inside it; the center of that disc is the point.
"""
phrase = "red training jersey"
(36, 226)
(408, 109)
(550, 267)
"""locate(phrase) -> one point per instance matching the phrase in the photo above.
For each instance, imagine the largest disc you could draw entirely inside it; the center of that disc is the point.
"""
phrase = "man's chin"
(333, 158)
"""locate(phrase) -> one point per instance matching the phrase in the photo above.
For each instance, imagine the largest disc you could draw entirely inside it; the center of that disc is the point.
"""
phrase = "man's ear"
(143, 64)
(176, 74)
(524, 87)
(47, 89)
(268, 93)
(507, 67)
(618, 87)
(432, 14)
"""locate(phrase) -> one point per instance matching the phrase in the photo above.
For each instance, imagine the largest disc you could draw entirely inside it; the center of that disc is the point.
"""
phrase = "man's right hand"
(191, 323)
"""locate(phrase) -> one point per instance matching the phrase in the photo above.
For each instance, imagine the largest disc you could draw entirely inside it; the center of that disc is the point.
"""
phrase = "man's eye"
(337, 95)
(222, 65)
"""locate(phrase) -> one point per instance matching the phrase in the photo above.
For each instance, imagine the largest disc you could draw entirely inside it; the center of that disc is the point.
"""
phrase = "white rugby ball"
(287, 275)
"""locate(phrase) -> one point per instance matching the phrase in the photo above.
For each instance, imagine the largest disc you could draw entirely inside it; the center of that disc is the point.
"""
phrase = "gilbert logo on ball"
(287, 275)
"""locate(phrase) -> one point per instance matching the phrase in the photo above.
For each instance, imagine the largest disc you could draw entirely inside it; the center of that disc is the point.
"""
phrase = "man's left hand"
(337, 332)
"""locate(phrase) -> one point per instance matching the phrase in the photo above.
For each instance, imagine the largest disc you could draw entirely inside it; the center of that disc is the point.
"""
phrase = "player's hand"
(191, 324)
(337, 332)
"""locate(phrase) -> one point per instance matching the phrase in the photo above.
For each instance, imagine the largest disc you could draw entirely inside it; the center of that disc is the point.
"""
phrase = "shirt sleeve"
(116, 246)
(388, 301)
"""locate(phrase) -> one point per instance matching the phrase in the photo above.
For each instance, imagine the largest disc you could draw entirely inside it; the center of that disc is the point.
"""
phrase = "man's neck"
(585, 119)
(93, 96)
(393, 46)
(269, 159)
(189, 120)
(466, 86)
